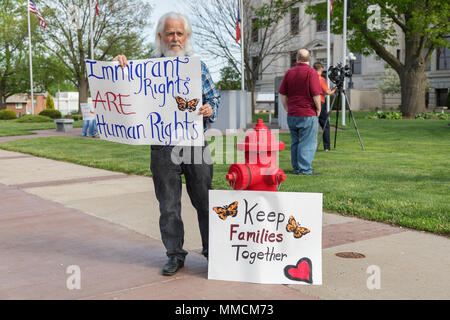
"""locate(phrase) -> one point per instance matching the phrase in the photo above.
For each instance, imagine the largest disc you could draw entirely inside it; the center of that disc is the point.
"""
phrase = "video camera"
(337, 74)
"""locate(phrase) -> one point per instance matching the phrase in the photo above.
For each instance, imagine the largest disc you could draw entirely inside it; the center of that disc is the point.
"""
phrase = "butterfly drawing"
(296, 229)
(225, 211)
(184, 104)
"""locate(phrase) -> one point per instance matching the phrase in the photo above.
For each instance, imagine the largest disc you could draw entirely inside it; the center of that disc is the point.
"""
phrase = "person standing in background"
(300, 95)
(324, 113)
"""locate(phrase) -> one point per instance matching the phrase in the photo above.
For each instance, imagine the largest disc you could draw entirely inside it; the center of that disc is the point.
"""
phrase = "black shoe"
(172, 266)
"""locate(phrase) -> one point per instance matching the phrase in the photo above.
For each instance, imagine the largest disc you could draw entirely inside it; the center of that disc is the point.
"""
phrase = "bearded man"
(173, 38)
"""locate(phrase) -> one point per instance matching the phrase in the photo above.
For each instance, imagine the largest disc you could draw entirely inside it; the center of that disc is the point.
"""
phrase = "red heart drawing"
(302, 271)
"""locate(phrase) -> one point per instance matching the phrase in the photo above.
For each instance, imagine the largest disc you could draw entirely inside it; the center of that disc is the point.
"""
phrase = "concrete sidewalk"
(55, 214)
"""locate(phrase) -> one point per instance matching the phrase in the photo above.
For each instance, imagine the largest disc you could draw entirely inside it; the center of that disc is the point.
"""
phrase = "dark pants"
(168, 185)
(326, 130)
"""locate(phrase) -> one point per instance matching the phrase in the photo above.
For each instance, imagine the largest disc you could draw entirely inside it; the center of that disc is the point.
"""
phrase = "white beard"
(170, 53)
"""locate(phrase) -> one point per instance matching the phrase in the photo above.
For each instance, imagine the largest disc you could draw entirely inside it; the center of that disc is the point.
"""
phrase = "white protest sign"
(152, 101)
(87, 111)
(265, 237)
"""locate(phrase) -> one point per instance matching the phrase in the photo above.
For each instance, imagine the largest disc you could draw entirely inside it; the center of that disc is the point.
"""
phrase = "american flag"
(331, 6)
(32, 8)
(96, 8)
(238, 29)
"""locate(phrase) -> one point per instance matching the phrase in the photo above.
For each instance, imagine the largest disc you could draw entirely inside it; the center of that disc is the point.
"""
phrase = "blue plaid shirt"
(210, 95)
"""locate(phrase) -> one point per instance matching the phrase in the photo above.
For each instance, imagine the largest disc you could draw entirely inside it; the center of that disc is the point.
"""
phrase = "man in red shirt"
(300, 95)
(324, 113)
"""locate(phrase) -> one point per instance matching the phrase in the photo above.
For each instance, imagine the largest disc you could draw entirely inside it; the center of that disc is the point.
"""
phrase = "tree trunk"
(83, 91)
(413, 85)
(2, 101)
(2, 94)
(413, 80)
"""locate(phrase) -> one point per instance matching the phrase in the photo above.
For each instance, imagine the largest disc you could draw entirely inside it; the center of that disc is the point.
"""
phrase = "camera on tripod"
(337, 74)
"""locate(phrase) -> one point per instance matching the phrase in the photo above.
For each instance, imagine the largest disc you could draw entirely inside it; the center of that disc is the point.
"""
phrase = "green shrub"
(54, 114)
(7, 115)
(386, 115)
(432, 115)
(443, 116)
(421, 116)
(34, 118)
(49, 104)
(74, 116)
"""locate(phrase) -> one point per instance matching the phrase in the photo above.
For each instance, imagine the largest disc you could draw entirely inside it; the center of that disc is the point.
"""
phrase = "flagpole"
(31, 60)
(91, 29)
(242, 46)
(328, 50)
(344, 53)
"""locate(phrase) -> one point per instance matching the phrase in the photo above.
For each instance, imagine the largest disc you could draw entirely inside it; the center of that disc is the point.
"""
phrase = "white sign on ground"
(151, 102)
(87, 111)
(265, 237)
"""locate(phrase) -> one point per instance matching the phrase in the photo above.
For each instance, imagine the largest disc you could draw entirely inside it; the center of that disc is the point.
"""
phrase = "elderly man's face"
(173, 37)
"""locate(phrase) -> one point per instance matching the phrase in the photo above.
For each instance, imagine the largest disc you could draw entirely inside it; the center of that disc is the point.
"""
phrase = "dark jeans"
(168, 185)
(326, 130)
(303, 132)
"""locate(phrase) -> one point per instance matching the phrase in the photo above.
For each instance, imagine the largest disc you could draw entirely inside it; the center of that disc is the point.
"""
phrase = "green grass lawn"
(14, 128)
(402, 178)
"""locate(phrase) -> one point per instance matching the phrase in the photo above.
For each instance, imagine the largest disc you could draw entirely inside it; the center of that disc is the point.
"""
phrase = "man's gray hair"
(160, 29)
(303, 55)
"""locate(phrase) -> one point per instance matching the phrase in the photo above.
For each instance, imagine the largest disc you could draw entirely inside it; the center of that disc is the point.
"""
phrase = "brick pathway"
(40, 239)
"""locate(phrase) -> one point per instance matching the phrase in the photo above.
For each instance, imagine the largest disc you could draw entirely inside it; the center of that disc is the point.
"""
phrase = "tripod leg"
(337, 119)
(354, 122)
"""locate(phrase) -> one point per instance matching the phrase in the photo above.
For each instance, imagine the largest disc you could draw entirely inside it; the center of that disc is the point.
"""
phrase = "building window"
(356, 69)
(293, 59)
(441, 97)
(18, 106)
(322, 25)
(295, 21)
(255, 31)
(443, 58)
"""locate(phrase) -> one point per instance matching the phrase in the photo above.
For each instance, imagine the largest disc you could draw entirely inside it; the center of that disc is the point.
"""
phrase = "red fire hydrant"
(260, 170)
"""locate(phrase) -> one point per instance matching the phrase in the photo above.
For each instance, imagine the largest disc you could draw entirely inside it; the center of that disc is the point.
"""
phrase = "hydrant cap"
(239, 176)
(260, 125)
